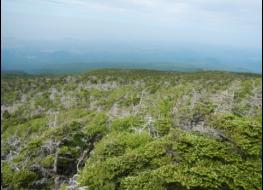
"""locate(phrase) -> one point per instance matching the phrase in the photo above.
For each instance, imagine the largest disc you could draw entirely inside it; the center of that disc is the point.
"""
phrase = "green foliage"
(245, 132)
(98, 125)
(6, 174)
(63, 187)
(163, 126)
(108, 173)
(117, 143)
(48, 161)
(203, 109)
(22, 179)
(132, 130)
(126, 124)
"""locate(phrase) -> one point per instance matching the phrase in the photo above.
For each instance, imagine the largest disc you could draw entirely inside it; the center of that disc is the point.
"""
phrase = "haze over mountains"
(67, 35)
(74, 57)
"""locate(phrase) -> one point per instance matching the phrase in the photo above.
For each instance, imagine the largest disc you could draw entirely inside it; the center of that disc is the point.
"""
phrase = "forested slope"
(132, 130)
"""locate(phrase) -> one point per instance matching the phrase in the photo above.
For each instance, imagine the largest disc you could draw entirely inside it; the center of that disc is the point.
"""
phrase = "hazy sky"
(232, 23)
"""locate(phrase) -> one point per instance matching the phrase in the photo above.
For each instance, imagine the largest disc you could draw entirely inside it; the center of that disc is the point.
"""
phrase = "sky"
(133, 25)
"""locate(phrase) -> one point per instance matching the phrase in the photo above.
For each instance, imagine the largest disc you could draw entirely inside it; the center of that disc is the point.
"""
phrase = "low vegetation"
(132, 130)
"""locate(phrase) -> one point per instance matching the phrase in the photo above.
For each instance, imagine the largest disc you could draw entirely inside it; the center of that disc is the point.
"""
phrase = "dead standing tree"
(52, 118)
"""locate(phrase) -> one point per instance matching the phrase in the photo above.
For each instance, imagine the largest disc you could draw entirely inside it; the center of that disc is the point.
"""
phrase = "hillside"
(132, 130)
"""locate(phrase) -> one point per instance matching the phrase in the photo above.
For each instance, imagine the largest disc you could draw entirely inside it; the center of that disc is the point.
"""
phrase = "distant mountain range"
(36, 60)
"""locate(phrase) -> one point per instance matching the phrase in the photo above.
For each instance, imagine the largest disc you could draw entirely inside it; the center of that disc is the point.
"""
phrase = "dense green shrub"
(132, 130)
